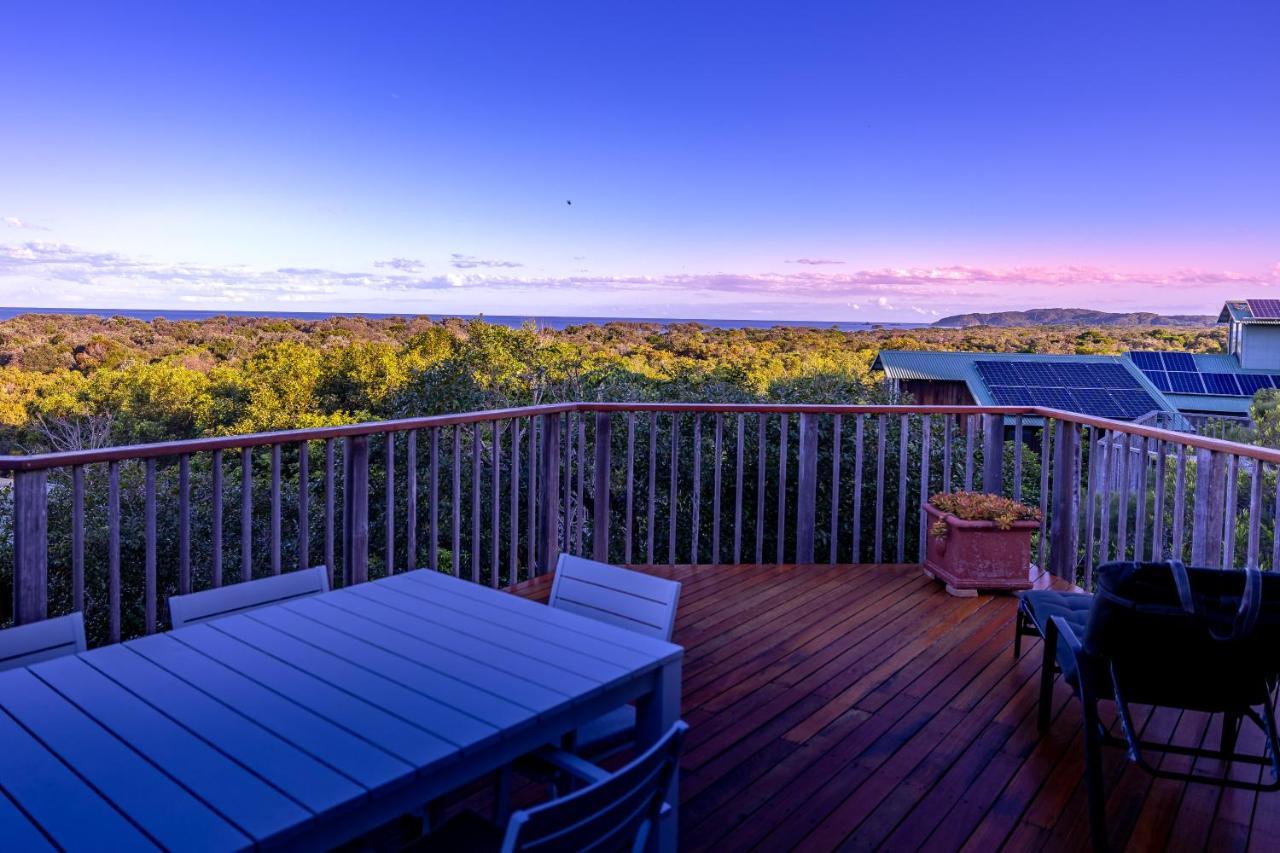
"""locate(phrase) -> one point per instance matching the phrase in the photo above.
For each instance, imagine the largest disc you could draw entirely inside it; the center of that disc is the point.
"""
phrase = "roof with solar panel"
(1121, 387)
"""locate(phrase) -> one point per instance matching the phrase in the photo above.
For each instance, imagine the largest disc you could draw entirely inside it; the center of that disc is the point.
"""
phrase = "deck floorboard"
(861, 707)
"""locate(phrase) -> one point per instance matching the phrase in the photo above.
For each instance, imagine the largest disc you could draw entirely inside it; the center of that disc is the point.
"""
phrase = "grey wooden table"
(308, 723)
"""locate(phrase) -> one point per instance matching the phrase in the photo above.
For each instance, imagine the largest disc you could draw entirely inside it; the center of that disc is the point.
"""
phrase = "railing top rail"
(41, 461)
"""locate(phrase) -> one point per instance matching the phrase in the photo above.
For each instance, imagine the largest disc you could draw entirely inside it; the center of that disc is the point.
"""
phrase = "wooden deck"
(860, 707)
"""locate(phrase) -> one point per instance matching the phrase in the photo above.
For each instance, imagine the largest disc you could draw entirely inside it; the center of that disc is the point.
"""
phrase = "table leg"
(656, 713)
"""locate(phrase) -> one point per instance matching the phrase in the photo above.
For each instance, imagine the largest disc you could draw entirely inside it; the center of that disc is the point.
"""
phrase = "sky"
(846, 161)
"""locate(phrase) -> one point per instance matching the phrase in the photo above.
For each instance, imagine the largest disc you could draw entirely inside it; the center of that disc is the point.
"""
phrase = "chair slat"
(224, 601)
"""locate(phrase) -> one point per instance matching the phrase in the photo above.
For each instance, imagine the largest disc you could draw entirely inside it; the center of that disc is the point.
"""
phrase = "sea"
(512, 320)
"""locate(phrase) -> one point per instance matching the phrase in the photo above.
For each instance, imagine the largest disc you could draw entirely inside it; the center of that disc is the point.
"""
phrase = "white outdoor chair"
(210, 604)
(50, 638)
(632, 600)
(615, 811)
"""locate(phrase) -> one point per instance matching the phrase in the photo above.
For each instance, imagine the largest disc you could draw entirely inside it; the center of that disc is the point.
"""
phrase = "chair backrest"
(1175, 636)
(50, 638)
(632, 600)
(248, 595)
(615, 813)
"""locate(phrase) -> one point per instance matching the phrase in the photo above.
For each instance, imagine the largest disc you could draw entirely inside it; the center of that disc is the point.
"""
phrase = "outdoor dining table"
(310, 722)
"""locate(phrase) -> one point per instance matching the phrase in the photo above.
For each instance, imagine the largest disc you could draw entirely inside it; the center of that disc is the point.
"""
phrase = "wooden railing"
(495, 496)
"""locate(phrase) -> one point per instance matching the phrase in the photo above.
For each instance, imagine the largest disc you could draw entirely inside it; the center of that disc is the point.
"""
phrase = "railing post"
(1206, 514)
(600, 497)
(1066, 501)
(355, 510)
(549, 480)
(993, 454)
(807, 488)
(30, 546)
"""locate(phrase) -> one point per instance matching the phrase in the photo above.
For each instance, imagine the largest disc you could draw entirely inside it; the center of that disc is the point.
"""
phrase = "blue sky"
(794, 160)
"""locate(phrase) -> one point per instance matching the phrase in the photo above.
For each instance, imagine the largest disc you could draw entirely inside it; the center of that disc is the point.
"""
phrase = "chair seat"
(465, 831)
(1073, 607)
(607, 731)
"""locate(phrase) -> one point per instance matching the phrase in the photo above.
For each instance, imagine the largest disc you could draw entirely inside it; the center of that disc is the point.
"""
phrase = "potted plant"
(979, 541)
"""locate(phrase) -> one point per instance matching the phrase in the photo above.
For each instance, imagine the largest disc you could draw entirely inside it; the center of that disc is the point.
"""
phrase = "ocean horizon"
(510, 320)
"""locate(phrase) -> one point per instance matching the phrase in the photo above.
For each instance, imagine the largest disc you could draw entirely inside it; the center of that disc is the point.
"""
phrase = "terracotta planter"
(978, 555)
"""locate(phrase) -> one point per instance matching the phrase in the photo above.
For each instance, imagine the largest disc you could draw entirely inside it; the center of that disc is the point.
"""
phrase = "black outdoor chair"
(1163, 635)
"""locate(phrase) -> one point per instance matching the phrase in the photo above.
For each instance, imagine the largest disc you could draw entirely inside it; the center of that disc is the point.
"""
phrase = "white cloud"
(26, 225)
(468, 262)
(401, 264)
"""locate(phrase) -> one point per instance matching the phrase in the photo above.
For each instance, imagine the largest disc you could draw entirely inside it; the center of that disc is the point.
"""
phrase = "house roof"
(1238, 310)
(962, 367)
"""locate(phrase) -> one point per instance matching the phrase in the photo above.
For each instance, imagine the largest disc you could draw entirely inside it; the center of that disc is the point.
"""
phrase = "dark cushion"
(1072, 607)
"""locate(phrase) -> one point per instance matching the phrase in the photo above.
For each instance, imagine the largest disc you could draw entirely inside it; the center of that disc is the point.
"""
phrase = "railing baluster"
(715, 491)
(567, 505)
(1046, 455)
(149, 544)
(858, 434)
(246, 513)
(881, 423)
(495, 501)
(549, 516)
(531, 501)
(304, 505)
(1275, 526)
(806, 488)
(602, 512)
(275, 509)
(926, 436)
(652, 492)
(993, 454)
(1090, 507)
(761, 429)
(474, 545)
(1063, 544)
(628, 512)
(330, 502)
(1178, 544)
(433, 503)
(216, 545)
(113, 551)
(1125, 478)
(580, 508)
(695, 525)
(1140, 505)
(904, 437)
(1229, 512)
(1106, 459)
(355, 510)
(411, 500)
(513, 507)
(971, 428)
(1018, 450)
(737, 491)
(455, 504)
(671, 505)
(1157, 525)
(389, 503)
(1200, 510)
(946, 456)
(77, 539)
(835, 488)
(783, 435)
(184, 524)
(1255, 516)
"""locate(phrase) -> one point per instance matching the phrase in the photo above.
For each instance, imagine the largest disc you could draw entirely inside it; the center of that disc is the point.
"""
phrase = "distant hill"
(1073, 317)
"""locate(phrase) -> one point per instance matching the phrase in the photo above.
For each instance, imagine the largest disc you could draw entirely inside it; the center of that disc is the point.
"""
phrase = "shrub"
(978, 506)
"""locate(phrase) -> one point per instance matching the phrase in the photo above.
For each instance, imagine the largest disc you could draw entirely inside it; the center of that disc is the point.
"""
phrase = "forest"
(74, 382)
(83, 382)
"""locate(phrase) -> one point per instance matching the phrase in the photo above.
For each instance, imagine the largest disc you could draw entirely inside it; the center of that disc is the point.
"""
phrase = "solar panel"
(1221, 383)
(1178, 361)
(1264, 309)
(1184, 382)
(1252, 383)
(1146, 360)
(1160, 379)
(1097, 388)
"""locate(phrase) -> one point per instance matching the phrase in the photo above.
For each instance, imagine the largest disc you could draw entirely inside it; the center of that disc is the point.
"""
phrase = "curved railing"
(496, 496)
